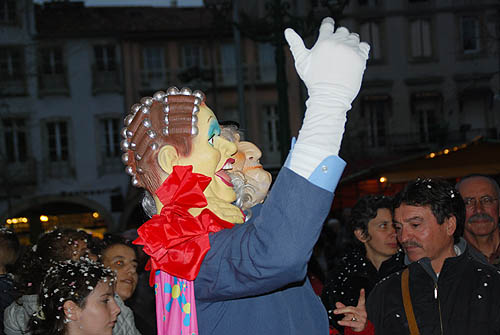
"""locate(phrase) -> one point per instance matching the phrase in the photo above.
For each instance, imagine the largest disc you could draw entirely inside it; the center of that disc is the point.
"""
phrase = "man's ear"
(360, 236)
(451, 225)
(71, 310)
(237, 137)
(167, 158)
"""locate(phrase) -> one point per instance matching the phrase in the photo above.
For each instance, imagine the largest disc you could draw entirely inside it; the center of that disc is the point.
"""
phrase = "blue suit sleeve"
(272, 249)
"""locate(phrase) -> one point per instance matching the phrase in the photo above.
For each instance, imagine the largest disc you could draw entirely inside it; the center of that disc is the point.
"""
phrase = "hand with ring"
(354, 316)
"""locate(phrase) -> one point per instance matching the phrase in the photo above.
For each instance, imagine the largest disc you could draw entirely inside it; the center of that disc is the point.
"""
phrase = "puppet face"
(247, 161)
(211, 156)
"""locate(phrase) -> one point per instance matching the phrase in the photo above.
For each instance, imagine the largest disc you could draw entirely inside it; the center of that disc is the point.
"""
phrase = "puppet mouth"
(222, 172)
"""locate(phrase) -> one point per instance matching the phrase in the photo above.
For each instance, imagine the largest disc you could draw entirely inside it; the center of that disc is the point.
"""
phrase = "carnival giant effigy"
(214, 273)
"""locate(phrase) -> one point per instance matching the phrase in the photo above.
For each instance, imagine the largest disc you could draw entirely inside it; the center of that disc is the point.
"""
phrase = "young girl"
(55, 246)
(76, 297)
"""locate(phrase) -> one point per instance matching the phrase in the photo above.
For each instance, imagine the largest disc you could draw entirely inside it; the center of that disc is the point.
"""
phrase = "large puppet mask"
(251, 181)
(177, 128)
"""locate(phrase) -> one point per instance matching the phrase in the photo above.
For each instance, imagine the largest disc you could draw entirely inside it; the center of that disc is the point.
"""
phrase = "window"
(420, 38)
(267, 63)
(427, 116)
(370, 33)
(58, 141)
(153, 67)
(15, 139)
(12, 71)
(105, 73)
(8, 11)
(52, 60)
(228, 64)
(110, 144)
(375, 109)
(105, 57)
(192, 56)
(271, 146)
(52, 71)
(470, 34)
(11, 66)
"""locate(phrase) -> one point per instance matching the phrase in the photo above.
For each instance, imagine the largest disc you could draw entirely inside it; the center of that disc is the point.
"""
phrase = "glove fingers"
(341, 33)
(326, 28)
(354, 37)
(365, 49)
(296, 44)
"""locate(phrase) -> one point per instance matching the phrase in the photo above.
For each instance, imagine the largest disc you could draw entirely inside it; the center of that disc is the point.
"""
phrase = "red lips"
(223, 175)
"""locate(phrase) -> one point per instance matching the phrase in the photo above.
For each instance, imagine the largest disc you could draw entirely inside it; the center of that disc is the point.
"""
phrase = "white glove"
(332, 71)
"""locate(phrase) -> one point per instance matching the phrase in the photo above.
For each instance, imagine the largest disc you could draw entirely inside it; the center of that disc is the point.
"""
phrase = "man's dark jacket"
(465, 299)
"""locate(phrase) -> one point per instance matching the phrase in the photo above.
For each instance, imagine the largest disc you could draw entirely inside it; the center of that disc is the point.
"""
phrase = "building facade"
(69, 74)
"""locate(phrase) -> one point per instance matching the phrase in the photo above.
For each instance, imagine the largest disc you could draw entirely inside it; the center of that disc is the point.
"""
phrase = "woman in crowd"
(76, 297)
(120, 257)
(375, 255)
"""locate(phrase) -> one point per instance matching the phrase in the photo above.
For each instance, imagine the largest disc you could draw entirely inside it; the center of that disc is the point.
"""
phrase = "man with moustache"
(482, 210)
(445, 289)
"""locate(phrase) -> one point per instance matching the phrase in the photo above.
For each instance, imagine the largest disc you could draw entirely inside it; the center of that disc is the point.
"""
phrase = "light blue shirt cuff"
(327, 174)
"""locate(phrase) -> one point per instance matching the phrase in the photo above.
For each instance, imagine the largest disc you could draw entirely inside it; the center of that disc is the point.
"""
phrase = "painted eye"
(211, 140)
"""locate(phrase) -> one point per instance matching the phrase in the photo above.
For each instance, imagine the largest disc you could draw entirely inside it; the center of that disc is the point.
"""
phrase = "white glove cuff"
(305, 159)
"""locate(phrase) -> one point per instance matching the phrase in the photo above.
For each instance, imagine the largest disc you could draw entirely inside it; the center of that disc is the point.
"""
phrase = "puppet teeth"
(227, 166)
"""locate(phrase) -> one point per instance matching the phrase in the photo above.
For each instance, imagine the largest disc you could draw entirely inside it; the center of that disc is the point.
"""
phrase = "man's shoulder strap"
(405, 289)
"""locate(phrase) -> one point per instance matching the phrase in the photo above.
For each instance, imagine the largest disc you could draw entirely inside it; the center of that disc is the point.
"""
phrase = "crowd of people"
(445, 238)
(222, 260)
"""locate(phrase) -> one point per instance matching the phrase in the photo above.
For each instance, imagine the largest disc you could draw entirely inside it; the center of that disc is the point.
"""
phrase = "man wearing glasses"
(480, 194)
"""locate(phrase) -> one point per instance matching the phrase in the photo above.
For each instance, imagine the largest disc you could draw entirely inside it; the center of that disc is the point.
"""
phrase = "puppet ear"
(167, 158)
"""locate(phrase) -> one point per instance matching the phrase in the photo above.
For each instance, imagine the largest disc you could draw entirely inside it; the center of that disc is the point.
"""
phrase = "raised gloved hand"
(332, 71)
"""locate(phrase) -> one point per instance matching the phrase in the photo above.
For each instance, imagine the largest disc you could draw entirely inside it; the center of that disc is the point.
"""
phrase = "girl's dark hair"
(55, 246)
(67, 280)
(443, 200)
(110, 240)
(366, 209)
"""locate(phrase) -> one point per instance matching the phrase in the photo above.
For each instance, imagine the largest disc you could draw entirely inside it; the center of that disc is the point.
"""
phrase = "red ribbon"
(177, 241)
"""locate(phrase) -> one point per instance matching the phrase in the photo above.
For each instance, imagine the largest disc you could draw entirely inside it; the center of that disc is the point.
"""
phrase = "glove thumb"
(296, 44)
